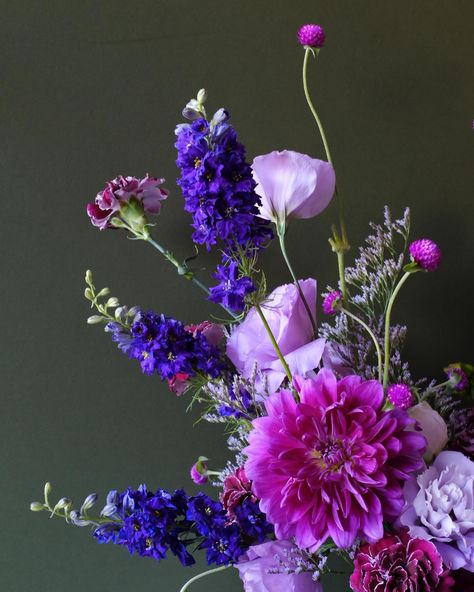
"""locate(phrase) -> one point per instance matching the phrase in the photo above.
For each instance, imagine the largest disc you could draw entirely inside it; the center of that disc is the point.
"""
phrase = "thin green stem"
(342, 276)
(281, 236)
(374, 339)
(307, 53)
(387, 327)
(202, 575)
(183, 271)
(274, 342)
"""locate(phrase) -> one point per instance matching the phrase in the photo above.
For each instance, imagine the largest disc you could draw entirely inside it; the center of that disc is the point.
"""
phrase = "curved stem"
(183, 272)
(202, 575)
(387, 328)
(274, 342)
(281, 236)
(374, 339)
(307, 53)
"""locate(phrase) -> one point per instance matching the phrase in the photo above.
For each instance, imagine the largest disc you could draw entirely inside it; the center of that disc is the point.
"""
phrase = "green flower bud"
(89, 277)
(37, 507)
(94, 319)
(201, 96)
(112, 301)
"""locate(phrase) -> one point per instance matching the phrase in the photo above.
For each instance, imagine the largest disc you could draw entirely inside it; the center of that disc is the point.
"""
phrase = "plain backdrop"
(90, 90)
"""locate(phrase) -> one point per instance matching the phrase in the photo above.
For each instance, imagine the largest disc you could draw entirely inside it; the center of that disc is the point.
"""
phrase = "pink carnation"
(398, 562)
(237, 488)
(332, 465)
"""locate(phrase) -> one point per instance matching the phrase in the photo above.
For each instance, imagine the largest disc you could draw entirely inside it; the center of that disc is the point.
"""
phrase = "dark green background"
(92, 89)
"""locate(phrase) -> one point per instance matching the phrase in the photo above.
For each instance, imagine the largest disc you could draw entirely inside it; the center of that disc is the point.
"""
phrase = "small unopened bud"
(64, 502)
(89, 277)
(88, 294)
(103, 292)
(47, 490)
(113, 301)
(201, 96)
(89, 502)
(94, 319)
(36, 507)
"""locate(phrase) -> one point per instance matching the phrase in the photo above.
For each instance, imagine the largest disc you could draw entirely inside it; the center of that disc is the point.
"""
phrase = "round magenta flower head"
(292, 185)
(332, 302)
(332, 465)
(398, 562)
(311, 35)
(426, 253)
(400, 395)
(198, 471)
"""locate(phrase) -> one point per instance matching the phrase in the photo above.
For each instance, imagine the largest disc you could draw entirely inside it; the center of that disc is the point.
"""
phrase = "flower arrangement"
(337, 450)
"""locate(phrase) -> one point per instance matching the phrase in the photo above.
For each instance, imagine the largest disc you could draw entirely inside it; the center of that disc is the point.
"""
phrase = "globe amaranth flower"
(249, 344)
(332, 465)
(163, 345)
(260, 571)
(440, 508)
(118, 192)
(217, 184)
(433, 427)
(399, 562)
(237, 488)
(233, 287)
(198, 471)
(426, 253)
(332, 302)
(292, 185)
(311, 35)
(400, 395)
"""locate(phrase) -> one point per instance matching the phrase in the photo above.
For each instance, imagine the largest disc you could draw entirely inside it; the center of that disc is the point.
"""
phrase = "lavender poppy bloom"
(291, 184)
(284, 311)
(257, 565)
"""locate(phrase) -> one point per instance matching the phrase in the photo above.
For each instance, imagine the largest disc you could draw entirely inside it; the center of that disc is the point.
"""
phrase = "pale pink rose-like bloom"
(292, 185)
(256, 566)
(433, 427)
(286, 315)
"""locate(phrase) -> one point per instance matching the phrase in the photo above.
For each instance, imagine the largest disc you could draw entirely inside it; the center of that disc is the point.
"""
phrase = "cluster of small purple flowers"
(217, 184)
(151, 523)
(164, 345)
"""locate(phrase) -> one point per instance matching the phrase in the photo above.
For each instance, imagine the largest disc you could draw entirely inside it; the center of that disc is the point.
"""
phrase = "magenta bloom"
(237, 488)
(198, 471)
(311, 35)
(119, 191)
(398, 562)
(331, 302)
(284, 310)
(426, 253)
(291, 184)
(400, 395)
(334, 464)
(257, 567)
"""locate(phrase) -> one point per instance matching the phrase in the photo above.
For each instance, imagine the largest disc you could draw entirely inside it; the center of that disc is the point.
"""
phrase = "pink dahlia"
(398, 562)
(332, 465)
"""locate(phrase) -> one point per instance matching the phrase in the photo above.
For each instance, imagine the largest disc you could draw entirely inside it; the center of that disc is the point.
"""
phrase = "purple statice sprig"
(374, 275)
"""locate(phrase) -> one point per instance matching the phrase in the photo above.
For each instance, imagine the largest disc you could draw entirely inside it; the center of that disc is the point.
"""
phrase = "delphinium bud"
(425, 253)
(311, 35)
(332, 302)
(400, 396)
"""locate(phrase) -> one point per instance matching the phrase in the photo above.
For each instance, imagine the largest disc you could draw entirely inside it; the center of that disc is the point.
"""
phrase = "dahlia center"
(330, 455)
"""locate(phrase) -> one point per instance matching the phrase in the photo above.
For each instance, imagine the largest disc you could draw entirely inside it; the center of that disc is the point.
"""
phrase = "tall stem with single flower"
(281, 236)
(387, 327)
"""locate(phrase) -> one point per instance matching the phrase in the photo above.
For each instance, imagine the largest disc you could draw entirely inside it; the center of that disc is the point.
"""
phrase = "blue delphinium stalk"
(151, 523)
(219, 192)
